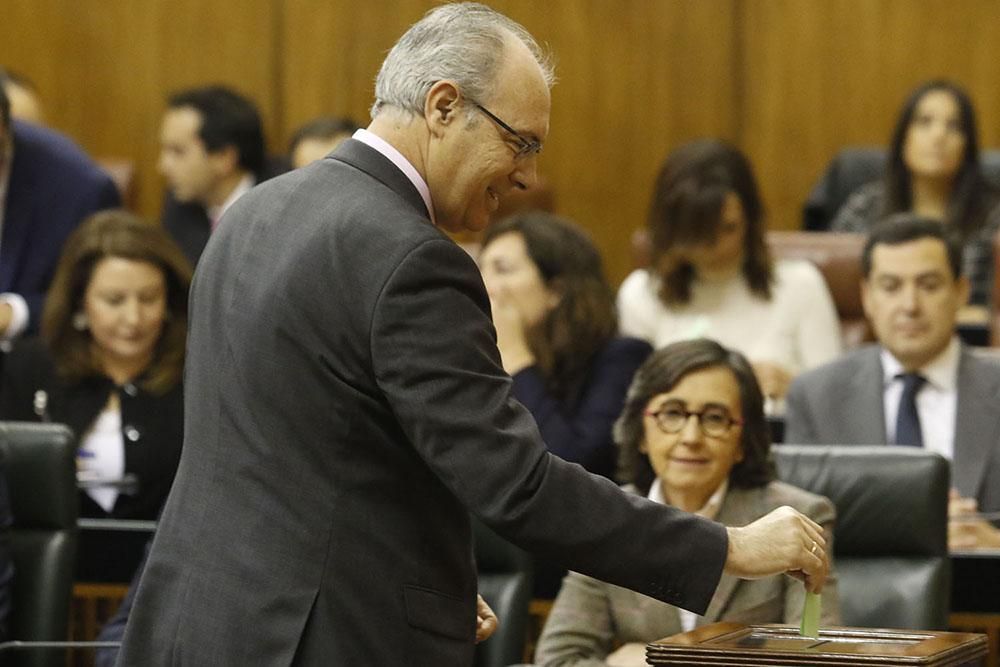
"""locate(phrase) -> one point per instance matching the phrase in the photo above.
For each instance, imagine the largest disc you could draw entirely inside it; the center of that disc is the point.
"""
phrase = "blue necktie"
(907, 419)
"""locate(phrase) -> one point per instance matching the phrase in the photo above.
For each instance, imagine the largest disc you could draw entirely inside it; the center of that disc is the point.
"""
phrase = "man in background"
(919, 385)
(47, 187)
(314, 140)
(211, 153)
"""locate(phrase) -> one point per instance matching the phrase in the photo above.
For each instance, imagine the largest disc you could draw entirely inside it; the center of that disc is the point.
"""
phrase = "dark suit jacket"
(156, 422)
(842, 403)
(53, 187)
(346, 404)
(189, 225)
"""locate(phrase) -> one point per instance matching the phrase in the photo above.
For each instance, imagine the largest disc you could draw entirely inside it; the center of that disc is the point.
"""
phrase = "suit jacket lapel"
(362, 156)
(864, 399)
(740, 507)
(976, 422)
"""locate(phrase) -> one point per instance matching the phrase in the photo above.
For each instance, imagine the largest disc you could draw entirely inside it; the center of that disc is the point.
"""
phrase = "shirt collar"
(389, 151)
(215, 213)
(941, 372)
(711, 508)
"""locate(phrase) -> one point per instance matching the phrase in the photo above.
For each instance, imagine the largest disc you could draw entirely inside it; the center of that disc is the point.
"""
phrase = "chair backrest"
(851, 168)
(891, 534)
(39, 462)
(838, 258)
(505, 580)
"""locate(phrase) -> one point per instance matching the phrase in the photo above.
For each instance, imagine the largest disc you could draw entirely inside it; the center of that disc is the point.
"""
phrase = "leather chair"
(39, 462)
(505, 580)
(838, 258)
(853, 167)
(891, 534)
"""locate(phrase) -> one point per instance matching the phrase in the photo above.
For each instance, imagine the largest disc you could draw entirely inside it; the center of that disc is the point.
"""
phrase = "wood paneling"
(790, 81)
(822, 74)
(105, 67)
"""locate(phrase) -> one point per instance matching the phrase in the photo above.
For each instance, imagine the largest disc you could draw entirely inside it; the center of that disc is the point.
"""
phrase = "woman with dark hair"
(109, 364)
(712, 274)
(933, 170)
(554, 314)
(692, 435)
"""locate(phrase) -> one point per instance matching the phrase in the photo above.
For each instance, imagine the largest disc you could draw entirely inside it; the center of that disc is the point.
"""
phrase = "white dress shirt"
(388, 150)
(936, 400)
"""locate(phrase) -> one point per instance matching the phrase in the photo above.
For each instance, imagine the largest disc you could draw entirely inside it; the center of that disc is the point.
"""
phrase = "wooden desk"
(975, 597)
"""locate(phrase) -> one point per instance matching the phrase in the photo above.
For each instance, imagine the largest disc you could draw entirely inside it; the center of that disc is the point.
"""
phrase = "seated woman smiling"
(692, 435)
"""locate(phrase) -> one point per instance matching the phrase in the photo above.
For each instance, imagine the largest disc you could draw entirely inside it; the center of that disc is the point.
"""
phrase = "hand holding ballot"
(782, 541)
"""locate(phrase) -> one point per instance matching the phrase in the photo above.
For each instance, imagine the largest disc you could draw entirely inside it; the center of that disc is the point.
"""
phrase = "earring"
(80, 321)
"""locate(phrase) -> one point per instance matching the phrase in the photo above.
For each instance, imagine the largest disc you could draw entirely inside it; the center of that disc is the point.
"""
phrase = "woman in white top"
(712, 275)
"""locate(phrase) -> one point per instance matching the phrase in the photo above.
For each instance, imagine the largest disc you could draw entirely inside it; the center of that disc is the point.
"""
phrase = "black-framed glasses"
(525, 146)
(714, 420)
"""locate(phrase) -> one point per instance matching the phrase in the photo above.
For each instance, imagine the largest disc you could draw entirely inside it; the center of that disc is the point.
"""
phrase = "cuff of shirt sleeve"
(19, 317)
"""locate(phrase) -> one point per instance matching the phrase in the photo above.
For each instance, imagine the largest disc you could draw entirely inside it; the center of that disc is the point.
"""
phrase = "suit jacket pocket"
(439, 613)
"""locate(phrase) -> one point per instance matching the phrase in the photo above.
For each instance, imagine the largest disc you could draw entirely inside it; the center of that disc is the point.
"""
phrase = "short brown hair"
(687, 208)
(581, 324)
(115, 233)
(661, 372)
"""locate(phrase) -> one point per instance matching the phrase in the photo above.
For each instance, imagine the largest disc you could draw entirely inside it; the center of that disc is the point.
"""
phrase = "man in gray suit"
(912, 290)
(348, 408)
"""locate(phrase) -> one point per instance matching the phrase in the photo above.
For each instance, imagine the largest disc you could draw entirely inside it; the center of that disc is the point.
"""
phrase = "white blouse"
(797, 327)
(101, 456)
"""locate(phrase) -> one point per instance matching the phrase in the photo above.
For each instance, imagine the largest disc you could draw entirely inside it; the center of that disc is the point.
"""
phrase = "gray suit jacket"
(346, 408)
(590, 617)
(841, 403)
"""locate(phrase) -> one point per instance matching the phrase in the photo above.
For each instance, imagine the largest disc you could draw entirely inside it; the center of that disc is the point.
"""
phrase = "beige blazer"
(591, 618)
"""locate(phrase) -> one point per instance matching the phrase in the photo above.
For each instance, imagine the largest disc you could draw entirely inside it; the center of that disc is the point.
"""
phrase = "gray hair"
(463, 42)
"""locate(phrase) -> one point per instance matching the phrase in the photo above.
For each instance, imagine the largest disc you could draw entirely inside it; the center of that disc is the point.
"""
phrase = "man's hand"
(966, 530)
(781, 541)
(486, 620)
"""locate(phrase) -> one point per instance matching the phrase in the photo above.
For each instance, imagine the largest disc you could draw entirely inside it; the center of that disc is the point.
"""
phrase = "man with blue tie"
(919, 386)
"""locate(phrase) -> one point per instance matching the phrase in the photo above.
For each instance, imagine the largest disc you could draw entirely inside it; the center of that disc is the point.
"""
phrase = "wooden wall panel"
(821, 74)
(105, 67)
(790, 81)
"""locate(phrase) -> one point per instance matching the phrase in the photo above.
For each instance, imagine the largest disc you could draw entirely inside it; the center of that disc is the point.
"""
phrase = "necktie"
(907, 419)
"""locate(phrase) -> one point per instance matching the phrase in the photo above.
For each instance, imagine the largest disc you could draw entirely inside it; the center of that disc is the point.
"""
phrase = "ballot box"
(738, 644)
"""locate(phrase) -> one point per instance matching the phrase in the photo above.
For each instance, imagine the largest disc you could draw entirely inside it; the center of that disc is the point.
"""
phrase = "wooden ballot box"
(737, 644)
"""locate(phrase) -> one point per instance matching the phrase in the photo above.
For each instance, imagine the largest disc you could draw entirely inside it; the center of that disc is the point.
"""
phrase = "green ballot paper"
(810, 615)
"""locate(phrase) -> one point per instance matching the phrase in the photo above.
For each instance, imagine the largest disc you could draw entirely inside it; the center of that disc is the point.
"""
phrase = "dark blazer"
(346, 408)
(579, 429)
(188, 223)
(842, 403)
(53, 187)
(152, 429)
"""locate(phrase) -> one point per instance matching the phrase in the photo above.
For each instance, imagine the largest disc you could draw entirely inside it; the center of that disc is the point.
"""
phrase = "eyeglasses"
(525, 146)
(713, 420)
